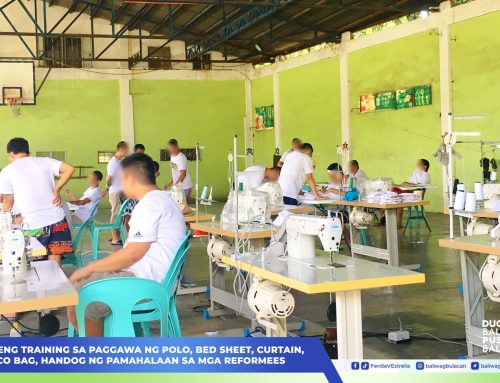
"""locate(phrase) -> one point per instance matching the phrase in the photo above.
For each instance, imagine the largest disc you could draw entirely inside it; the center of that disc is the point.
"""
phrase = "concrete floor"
(434, 307)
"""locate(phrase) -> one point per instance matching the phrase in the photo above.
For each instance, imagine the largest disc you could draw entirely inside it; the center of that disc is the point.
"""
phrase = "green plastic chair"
(416, 213)
(116, 225)
(144, 313)
(91, 218)
(122, 295)
(75, 258)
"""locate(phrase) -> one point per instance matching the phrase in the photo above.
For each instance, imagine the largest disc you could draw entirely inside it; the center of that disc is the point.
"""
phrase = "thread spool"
(204, 193)
(470, 202)
(459, 200)
(461, 187)
(493, 176)
(478, 191)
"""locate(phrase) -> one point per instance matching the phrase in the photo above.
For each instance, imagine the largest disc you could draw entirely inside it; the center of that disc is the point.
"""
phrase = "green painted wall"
(79, 117)
(208, 112)
(310, 110)
(264, 140)
(388, 143)
(475, 60)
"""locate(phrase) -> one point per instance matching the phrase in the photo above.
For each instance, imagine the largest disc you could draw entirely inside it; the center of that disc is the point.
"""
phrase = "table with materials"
(220, 299)
(339, 274)
(43, 286)
(391, 252)
(470, 249)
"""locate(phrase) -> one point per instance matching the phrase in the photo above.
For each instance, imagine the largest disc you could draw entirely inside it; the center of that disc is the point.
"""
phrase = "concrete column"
(445, 80)
(277, 110)
(345, 94)
(248, 121)
(126, 113)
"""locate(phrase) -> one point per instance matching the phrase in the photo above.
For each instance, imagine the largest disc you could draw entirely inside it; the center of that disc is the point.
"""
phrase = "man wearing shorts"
(180, 169)
(29, 181)
(113, 186)
(157, 229)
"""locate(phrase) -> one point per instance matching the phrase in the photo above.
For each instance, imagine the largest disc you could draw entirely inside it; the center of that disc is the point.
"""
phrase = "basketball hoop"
(15, 105)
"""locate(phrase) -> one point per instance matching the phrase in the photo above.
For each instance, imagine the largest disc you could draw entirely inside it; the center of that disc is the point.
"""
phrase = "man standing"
(297, 168)
(29, 181)
(113, 186)
(139, 149)
(296, 146)
(180, 170)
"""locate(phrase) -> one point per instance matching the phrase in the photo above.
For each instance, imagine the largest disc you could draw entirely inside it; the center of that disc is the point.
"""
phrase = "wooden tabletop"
(480, 213)
(293, 209)
(483, 244)
(258, 231)
(317, 275)
(44, 286)
(191, 217)
(384, 206)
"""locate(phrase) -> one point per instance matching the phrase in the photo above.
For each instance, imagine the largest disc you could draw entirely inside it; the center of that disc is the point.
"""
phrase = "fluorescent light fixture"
(467, 134)
(424, 14)
(258, 47)
(477, 117)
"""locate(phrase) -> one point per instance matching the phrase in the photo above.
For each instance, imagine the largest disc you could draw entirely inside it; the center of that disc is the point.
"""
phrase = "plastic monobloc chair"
(122, 295)
(75, 258)
(145, 313)
(116, 225)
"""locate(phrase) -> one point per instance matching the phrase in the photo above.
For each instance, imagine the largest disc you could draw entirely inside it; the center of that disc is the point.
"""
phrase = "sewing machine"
(301, 231)
(491, 196)
(273, 190)
(251, 206)
(15, 253)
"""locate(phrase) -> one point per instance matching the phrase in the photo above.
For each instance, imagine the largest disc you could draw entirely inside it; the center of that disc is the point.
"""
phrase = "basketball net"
(15, 105)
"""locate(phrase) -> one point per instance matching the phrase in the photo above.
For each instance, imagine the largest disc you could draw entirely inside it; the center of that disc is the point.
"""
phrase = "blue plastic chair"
(93, 212)
(122, 295)
(116, 225)
(145, 313)
(416, 213)
(75, 258)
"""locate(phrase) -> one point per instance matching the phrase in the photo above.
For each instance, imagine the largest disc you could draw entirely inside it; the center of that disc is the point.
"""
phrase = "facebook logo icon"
(365, 366)
(355, 365)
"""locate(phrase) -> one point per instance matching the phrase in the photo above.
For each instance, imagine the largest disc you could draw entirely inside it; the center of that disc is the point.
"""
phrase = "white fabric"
(293, 173)
(179, 163)
(157, 219)
(253, 177)
(31, 181)
(83, 211)
(114, 170)
(419, 177)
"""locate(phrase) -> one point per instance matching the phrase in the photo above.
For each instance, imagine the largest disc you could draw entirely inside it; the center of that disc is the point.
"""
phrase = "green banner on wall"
(404, 98)
(264, 117)
(385, 100)
(422, 95)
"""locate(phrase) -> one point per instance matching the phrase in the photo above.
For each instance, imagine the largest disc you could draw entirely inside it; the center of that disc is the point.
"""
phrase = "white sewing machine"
(491, 196)
(301, 231)
(15, 254)
(252, 206)
(273, 189)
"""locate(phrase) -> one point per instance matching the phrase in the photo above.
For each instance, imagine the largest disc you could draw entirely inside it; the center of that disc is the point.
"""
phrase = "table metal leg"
(391, 229)
(473, 298)
(349, 325)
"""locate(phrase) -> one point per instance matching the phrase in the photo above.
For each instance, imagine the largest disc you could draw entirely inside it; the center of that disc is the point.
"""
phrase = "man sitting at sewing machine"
(296, 146)
(90, 199)
(336, 176)
(156, 231)
(256, 175)
(30, 182)
(295, 171)
(420, 175)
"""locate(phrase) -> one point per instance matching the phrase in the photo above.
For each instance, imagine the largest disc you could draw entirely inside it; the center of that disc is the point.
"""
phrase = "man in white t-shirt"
(354, 171)
(256, 175)
(113, 186)
(295, 171)
(420, 175)
(180, 169)
(89, 200)
(29, 182)
(296, 146)
(157, 229)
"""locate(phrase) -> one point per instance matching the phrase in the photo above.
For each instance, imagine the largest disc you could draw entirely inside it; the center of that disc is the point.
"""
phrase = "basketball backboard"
(17, 79)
